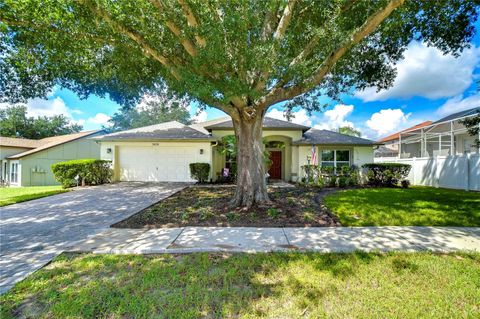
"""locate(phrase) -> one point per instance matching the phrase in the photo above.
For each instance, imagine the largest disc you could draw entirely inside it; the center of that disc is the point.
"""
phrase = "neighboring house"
(28, 162)
(444, 137)
(163, 152)
(391, 142)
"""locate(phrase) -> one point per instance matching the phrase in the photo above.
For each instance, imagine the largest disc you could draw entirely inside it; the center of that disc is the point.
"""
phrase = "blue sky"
(429, 85)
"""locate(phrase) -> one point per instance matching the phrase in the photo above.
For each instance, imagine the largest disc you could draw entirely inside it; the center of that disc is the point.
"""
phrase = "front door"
(275, 170)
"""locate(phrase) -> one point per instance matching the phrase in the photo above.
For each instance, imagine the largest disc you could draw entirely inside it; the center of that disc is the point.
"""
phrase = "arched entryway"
(280, 157)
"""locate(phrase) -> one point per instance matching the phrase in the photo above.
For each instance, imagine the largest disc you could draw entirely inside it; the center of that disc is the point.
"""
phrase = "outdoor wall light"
(109, 150)
(201, 151)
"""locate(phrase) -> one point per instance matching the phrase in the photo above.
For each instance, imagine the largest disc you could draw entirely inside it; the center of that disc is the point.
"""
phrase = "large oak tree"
(240, 56)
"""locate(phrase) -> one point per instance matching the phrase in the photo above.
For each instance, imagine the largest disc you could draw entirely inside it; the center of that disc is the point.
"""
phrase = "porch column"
(452, 140)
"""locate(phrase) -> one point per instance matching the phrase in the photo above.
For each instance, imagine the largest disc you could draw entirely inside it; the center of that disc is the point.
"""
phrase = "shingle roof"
(326, 137)
(49, 142)
(458, 115)
(268, 123)
(396, 136)
(19, 142)
(165, 131)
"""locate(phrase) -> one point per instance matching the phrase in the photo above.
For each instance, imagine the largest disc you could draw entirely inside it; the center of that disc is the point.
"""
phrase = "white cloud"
(99, 119)
(299, 117)
(387, 121)
(40, 107)
(427, 72)
(459, 103)
(335, 118)
(200, 117)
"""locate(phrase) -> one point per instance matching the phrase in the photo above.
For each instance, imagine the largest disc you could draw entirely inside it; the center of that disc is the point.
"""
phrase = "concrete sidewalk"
(250, 239)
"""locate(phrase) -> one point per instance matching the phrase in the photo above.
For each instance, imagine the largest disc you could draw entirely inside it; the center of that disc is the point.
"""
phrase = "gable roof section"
(458, 115)
(165, 131)
(53, 141)
(268, 123)
(19, 142)
(396, 136)
(325, 137)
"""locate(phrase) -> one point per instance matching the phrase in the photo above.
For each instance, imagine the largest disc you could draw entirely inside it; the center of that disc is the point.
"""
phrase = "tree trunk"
(251, 185)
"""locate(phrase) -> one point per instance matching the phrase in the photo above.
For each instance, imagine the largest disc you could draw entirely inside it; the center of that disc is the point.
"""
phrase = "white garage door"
(156, 163)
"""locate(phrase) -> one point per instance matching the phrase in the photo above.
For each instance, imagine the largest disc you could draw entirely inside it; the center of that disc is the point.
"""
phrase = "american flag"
(314, 155)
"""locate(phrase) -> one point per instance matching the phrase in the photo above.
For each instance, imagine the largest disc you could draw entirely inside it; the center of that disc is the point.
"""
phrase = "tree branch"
(277, 36)
(281, 94)
(308, 49)
(148, 49)
(284, 20)
(186, 43)
(191, 20)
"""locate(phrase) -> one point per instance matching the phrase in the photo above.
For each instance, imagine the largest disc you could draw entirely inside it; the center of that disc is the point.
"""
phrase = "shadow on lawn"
(189, 286)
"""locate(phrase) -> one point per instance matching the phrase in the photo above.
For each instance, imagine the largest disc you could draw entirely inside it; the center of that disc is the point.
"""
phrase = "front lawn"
(416, 206)
(209, 206)
(293, 285)
(12, 195)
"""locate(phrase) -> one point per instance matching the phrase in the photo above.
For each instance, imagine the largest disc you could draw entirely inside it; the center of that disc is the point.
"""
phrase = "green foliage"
(14, 122)
(273, 212)
(315, 175)
(200, 171)
(157, 109)
(125, 49)
(349, 130)
(386, 174)
(90, 172)
(473, 127)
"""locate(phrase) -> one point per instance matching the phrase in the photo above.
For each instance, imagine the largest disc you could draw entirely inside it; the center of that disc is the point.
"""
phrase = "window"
(14, 173)
(328, 158)
(335, 158)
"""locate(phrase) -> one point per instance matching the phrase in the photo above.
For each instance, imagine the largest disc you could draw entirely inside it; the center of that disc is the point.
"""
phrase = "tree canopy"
(14, 122)
(239, 56)
(152, 110)
(349, 130)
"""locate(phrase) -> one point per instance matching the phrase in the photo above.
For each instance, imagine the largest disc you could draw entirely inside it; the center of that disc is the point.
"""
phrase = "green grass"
(293, 285)
(12, 195)
(416, 206)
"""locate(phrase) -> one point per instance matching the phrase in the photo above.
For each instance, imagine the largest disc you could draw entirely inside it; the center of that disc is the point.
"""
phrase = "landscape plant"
(87, 172)
(200, 171)
(386, 174)
(240, 57)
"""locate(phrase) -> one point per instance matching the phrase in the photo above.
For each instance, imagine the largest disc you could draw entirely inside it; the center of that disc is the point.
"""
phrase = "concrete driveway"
(33, 232)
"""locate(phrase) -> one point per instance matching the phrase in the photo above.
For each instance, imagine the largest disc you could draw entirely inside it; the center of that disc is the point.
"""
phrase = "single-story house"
(164, 151)
(26, 162)
(444, 137)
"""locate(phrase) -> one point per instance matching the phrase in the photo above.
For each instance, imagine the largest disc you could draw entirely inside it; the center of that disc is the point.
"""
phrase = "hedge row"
(387, 174)
(89, 172)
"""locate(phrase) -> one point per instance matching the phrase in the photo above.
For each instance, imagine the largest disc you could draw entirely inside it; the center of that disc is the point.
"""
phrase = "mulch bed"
(208, 206)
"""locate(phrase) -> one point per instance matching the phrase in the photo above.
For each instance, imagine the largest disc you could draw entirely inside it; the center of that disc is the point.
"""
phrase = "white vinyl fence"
(459, 172)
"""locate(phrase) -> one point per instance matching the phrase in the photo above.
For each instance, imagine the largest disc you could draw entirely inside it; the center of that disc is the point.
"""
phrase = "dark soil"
(208, 206)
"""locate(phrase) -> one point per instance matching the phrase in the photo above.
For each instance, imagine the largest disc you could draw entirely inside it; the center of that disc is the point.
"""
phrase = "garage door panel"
(155, 163)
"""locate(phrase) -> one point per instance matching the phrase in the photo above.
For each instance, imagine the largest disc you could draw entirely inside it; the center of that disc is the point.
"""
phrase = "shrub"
(342, 181)
(200, 171)
(89, 171)
(386, 174)
(405, 183)
(273, 212)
